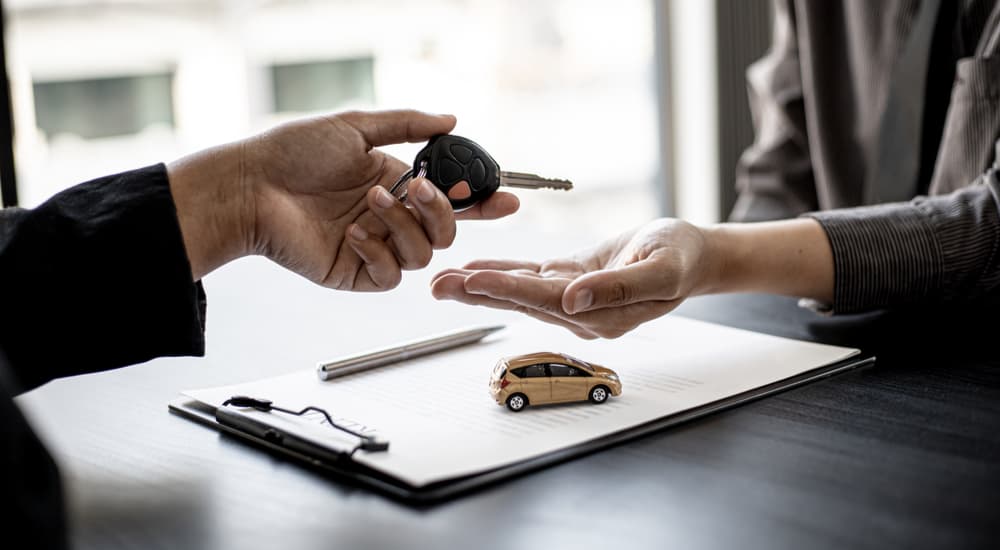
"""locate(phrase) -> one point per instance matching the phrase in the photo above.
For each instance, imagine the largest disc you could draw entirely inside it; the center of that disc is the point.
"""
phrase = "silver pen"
(416, 348)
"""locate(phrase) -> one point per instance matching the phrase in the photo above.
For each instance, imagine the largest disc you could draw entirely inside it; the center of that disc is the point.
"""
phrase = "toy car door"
(535, 384)
(568, 383)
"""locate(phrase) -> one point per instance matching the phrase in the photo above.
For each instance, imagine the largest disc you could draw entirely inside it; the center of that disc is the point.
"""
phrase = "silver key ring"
(405, 178)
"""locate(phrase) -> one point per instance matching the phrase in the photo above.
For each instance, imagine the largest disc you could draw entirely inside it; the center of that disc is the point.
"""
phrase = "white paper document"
(441, 423)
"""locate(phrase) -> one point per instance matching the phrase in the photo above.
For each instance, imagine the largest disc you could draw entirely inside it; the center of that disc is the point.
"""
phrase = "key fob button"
(462, 153)
(477, 174)
(460, 191)
(450, 171)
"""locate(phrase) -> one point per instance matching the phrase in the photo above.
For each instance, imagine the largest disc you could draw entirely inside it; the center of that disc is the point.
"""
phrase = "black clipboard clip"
(277, 437)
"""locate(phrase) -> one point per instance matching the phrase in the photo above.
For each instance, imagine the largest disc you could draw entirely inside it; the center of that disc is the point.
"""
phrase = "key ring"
(405, 177)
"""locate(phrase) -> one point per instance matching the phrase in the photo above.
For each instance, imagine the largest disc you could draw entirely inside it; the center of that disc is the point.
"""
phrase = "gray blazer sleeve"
(774, 176)
(938, 249)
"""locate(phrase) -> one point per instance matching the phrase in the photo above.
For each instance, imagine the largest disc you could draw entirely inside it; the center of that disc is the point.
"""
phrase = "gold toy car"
(539, 378)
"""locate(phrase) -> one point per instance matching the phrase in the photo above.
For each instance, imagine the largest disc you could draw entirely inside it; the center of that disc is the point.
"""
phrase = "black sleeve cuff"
(97, 277)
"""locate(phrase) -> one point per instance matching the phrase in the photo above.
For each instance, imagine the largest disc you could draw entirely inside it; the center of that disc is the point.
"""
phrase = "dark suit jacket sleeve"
(774, 176)
(97, 277)
(938, 249)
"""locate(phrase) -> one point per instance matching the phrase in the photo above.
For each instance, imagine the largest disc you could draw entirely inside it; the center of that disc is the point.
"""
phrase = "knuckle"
(343, 272)
(531, 312)
(545, 306)
(392, 280)
(419, 263)
(421, 258)
(605, 333)
(674, 289)
(448, 239)
(620, 294)
(335, 283)
(609, 332)
(411, 255)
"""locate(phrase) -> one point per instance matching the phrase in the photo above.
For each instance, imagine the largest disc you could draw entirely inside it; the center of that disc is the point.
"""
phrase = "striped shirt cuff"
(930, 249)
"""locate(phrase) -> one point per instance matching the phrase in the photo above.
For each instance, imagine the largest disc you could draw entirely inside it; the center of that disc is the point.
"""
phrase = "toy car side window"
(565, 370)
(519, 372)
(560, 370)
(535, 371)
(573, 371)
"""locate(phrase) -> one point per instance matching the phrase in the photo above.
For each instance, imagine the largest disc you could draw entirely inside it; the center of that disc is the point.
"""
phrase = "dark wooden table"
(905, 454)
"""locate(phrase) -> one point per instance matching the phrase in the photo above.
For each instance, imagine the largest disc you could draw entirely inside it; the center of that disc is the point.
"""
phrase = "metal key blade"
(532, 181)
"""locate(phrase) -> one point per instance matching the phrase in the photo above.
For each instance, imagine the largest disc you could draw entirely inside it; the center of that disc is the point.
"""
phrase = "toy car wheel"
(598, 394)
(517, 402)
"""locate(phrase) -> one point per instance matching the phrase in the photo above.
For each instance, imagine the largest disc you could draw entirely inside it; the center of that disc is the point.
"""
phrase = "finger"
(635, 283)
(449, 286)
(413, 249)
(450, 271)
(503, 265)
(616, 322)
(387, 127)
(381, 271)
(452, 287)
(348, 263)
(606, 323)
(497, 205)
(435, 212)
(467, 272)
(392, 166)
(542, 294)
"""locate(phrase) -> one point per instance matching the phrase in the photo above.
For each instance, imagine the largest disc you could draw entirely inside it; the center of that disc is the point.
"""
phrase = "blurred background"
(641, 103)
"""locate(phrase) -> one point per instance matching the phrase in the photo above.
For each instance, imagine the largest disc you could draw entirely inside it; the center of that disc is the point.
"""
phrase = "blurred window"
(560, 88)
(104, 107)
(323, 85)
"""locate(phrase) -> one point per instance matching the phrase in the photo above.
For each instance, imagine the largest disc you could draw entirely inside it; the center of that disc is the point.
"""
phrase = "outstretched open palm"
(604, 292)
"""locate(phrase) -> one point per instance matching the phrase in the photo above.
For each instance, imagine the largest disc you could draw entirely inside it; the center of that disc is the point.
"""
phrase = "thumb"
(641, 281)
(388, 127)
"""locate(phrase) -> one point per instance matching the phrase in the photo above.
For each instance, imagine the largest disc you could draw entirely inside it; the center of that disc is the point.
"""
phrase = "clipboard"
(340, 466)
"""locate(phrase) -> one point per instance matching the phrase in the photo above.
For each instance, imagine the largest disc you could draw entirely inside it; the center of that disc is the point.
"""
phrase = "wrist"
(719, 257)
(214, 209)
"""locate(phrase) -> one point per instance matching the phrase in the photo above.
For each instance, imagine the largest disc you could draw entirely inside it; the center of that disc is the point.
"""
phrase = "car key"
(466, 173)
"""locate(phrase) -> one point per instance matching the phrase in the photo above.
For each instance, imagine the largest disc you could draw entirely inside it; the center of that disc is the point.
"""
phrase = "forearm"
(95, 278)
(791, 258)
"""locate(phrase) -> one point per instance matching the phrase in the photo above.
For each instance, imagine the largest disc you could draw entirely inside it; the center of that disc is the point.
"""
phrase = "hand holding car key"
(466, 173)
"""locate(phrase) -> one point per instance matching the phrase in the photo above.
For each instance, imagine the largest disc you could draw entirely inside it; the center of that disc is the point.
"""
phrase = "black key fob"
(460, 168)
